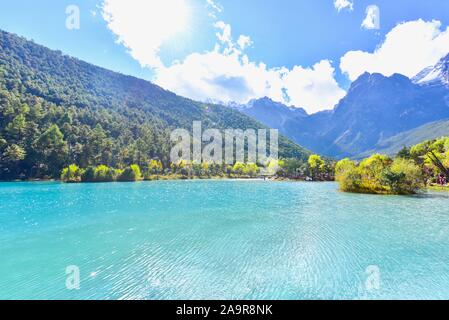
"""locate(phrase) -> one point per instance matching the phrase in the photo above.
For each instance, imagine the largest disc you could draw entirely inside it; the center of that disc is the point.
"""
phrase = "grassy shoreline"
(439, 188)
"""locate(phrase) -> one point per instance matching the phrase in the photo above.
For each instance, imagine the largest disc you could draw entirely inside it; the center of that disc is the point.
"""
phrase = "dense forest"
(56, 110)
(411, 170)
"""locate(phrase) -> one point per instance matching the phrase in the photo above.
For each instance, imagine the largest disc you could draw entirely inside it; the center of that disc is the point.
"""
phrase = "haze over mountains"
(377, 111)
(273, 114)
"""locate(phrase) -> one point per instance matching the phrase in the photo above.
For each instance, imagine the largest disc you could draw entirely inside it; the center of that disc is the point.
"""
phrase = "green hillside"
(393, 145)
(56, 110)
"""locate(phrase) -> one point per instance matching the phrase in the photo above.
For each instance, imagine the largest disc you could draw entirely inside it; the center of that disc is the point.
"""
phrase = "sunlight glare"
(143, 26)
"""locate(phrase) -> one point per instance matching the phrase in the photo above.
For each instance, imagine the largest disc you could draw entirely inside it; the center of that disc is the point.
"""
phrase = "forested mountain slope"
(56, 110)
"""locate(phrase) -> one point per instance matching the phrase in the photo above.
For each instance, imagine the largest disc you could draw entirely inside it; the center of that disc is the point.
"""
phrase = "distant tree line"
(155, 170)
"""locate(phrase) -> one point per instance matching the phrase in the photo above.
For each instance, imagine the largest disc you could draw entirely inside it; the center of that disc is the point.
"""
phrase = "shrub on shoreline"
(380, 174)
(130, 174)
(101, 173)
(72, 174)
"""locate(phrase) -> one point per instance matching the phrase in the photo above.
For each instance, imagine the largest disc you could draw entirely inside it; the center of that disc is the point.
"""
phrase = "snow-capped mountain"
(434, 75)
(375, 108)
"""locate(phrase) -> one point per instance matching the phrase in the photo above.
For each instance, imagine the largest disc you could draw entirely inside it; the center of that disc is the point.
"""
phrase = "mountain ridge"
(272, 114)
(376, 107)
(434, 75)
(392, 145)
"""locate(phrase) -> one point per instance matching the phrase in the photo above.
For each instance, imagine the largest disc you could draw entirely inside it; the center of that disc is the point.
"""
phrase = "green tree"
(418, 152)
(348, 175)
(273, 168)
(431, 155)
(16, 128)
(205, 169)
(103, 173)
(403, 177)
(238, 168)
(131, 173)
(155, 167)
(72, 174)
(251, 170)
(14, 153)
(344, 166)
(404, 153)
(316, 165)
(97, 147)
(11, 161)
(53, 149)
(88, 175)
(371, 171)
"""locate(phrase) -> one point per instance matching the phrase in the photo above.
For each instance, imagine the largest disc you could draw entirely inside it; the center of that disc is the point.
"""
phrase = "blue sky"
(299, 52)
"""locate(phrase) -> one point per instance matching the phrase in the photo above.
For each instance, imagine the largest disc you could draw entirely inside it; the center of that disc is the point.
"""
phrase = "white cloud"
(372, 19)
(408, 48)
(227, 74)
(244, 41)
(344, 4)
(225, 36)
(143, 26)
(214, 5)
(224, 73)
(313, 87)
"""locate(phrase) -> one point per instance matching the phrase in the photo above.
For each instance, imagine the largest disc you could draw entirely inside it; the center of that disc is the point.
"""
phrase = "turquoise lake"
(221, 240)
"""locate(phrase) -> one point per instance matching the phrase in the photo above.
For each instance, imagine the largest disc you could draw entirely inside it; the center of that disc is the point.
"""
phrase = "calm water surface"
(220, 240)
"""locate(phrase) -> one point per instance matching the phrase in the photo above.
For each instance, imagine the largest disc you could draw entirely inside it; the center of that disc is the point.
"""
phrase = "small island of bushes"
(413, 169)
